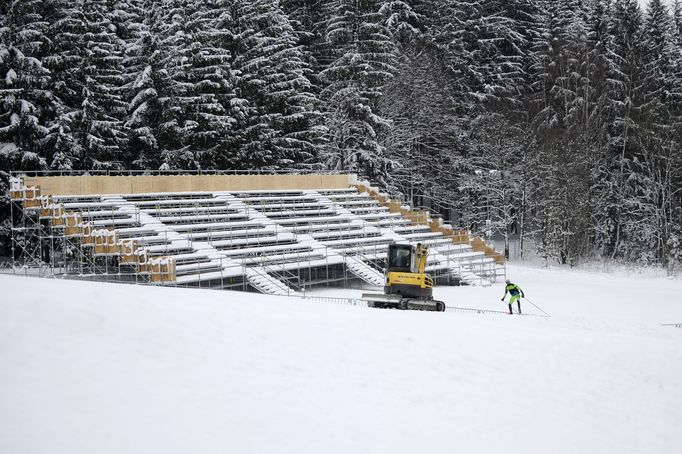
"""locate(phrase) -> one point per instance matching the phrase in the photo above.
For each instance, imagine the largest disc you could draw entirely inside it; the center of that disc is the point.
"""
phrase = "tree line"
(555, 121)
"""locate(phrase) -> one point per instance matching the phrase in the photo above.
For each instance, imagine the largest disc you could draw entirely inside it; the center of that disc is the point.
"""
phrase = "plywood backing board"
(87, 185)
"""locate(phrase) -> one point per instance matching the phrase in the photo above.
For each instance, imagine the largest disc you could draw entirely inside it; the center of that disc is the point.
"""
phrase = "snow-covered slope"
(103, 368)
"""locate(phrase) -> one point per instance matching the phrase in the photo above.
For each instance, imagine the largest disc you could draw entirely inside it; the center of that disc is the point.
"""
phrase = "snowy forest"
(555, 122)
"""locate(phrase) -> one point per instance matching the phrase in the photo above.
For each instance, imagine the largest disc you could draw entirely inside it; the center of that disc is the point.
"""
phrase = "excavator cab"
(401, 258)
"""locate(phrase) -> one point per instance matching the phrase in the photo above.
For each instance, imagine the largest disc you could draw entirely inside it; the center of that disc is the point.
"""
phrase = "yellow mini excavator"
(407, 285)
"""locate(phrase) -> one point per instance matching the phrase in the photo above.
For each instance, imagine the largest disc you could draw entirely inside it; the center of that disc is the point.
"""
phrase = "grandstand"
(276, 234)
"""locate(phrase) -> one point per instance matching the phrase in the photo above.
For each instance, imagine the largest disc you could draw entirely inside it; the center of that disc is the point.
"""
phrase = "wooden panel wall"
(83, 185)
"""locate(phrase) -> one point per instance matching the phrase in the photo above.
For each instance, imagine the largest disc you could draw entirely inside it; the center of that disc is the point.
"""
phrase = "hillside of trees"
(559, 121)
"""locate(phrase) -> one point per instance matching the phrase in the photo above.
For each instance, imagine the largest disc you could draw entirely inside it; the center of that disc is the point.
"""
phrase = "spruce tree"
(602, 66)
(659, 163)
(676, 13)
(145, 110)
(402, 21)
(365, 59)
(279, 130)
(625, 132)
(566, 105)
(141, 79)
(175, 88)
(101, 126)
(24, 98)
(195, 85)
(65, 60)
(211, 120)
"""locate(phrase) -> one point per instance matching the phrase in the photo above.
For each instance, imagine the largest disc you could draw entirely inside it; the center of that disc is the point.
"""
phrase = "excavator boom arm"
(422, 254)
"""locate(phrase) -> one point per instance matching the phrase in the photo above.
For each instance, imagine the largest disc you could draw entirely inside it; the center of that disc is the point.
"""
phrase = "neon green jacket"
(513, 290)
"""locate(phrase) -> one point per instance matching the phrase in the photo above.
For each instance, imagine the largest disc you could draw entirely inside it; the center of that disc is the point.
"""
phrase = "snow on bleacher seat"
(368, 209)
(450, 248)
(170, 248)
(226, 234)
(88, 206)
(311, 227)
(351, 194)
(198, 218)
(189, 210)
(317, 220)
(348, 232)
(297, 258)
(178, 203)
(355, 239)
(281, 201)
(467, 255)
(198, 267)
(408, 228)
(258, 241)
(354, 204)
(275, 248)
(337, 190)
(422, 235)
(379, 213)
(390, 223)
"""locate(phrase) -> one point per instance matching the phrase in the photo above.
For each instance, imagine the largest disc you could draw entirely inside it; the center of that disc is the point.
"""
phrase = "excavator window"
(400, 258)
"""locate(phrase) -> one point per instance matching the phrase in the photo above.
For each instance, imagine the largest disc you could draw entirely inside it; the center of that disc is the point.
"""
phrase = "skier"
(514, 291)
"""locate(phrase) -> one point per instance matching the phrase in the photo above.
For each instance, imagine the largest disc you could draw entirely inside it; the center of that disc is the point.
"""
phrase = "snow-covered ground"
(105, 368)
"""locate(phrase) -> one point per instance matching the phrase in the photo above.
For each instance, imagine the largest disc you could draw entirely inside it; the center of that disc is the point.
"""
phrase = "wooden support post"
(73, 223)
(129, 252)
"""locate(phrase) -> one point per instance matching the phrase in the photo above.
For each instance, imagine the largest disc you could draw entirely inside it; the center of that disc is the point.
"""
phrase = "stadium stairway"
(365, 272)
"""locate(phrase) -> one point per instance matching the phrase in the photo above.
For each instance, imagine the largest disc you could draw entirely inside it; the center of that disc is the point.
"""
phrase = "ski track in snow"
(105, 368)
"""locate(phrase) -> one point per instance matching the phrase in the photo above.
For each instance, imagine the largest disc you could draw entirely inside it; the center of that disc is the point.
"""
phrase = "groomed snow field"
(103, 368)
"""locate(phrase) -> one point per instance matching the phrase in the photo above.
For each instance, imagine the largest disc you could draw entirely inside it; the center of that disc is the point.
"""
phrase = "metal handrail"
(267, 276)
(360, 260)
(283, 275)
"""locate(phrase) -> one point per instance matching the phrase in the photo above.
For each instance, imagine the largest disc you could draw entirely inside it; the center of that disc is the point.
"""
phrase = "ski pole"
(508, 304)
(536, 306)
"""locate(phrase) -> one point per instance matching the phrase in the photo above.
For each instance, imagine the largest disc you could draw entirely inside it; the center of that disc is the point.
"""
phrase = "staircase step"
(365, 272)
(267, 284)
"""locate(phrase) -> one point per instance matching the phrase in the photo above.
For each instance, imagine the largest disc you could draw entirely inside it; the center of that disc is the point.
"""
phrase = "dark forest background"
(559, 121)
